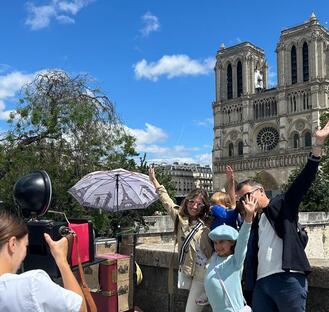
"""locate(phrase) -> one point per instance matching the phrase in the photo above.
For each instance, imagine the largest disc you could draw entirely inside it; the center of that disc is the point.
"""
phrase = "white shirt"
(270, 249)
(34, 291)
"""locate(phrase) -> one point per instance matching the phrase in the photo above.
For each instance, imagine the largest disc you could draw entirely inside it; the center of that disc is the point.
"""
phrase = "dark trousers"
(281, 292)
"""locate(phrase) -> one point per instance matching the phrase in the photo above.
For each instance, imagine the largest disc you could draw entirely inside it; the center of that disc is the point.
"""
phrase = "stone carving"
(234, 135)
(300, 125)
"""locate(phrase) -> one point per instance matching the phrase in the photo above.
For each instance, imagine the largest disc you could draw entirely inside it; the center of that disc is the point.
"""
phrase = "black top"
(282, 213)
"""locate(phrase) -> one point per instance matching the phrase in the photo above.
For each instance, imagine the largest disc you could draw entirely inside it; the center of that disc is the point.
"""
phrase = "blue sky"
(154, 59)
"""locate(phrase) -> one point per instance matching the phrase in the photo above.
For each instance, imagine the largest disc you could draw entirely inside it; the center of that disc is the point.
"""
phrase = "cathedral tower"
(268, 131)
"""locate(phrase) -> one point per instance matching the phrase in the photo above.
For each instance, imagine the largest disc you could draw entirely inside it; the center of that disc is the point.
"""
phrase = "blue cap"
(223, 232)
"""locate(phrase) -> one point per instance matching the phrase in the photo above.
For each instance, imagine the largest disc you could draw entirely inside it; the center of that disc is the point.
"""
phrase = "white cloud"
(13, 82)
(173, 66)
(150, 135)
(205, 158)
(10, 85)
(205, 122)
(40, 16)
(153, 141)
(63, 19)
(150, 24)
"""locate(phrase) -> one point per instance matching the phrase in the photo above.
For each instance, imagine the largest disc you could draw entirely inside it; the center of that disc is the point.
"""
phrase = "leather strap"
(85, 289)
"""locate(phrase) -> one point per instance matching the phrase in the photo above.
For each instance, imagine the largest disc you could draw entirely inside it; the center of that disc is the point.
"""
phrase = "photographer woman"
(33, 290)
(188, 218)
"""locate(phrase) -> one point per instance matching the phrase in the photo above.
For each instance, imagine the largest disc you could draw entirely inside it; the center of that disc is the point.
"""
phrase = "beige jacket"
(184, 228)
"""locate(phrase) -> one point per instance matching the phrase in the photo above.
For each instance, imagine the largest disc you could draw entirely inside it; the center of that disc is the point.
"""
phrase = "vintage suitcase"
(108, 301)
(115, 276)
(116, 268)
(91, 275)
(105, 301)
(105, 245)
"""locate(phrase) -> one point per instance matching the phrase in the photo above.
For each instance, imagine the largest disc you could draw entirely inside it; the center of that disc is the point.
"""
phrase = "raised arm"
(59, 251)
(230, 184)
(166, 201)
(320, 136)
(242, 241)
(295, 193)
(152, 177)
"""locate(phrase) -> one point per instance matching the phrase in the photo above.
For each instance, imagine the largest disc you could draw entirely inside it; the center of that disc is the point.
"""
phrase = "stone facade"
(268, 131)
(187, 177)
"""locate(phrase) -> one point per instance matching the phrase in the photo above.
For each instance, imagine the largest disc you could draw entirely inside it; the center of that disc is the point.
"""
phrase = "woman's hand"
(249, 205)
(152, 177)
(58, 249)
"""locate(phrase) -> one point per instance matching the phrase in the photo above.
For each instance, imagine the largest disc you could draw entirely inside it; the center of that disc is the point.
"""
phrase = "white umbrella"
(114, 190)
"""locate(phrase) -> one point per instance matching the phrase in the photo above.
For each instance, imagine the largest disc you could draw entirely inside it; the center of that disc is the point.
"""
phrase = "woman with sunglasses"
(33, 290)
(189, 218)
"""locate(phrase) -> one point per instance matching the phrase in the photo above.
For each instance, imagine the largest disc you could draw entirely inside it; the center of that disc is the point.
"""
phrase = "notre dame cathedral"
(264, 130)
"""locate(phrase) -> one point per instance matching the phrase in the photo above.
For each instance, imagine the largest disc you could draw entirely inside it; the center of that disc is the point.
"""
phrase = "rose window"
(267, 138)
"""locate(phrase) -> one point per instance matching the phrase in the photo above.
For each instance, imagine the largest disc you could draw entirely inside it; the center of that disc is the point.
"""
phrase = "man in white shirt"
(276, 258)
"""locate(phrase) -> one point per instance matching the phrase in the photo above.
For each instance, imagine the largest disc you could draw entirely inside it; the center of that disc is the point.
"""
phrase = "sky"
(154, 59)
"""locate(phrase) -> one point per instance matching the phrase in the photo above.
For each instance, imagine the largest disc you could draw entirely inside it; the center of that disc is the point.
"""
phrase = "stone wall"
(158, 293)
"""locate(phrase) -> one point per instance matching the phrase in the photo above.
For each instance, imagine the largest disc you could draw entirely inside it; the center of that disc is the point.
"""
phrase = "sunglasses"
(244, 196)
(193, 202)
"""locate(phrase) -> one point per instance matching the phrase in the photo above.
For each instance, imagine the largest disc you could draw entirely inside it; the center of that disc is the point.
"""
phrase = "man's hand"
(321, 134)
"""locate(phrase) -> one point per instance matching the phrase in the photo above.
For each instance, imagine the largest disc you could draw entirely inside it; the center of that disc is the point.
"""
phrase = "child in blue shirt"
(228, 258)
(223, 209)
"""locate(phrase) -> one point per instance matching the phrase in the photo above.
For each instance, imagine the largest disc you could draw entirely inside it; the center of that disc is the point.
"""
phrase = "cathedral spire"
(313, 17)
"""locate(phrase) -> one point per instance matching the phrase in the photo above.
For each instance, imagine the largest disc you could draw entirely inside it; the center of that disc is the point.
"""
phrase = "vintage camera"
(32, 194)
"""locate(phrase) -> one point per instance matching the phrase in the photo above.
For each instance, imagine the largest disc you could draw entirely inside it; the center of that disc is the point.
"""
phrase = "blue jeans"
(281, 292)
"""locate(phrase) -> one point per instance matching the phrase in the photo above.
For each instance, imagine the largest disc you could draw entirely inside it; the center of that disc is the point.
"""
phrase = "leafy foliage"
(317, 198)
(68, 128)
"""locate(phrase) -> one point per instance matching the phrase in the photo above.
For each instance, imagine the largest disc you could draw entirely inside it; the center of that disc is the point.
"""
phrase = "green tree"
(317, 198)
(69, 128)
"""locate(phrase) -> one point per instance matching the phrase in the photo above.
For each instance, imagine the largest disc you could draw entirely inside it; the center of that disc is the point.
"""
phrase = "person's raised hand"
(152, 177)
(58, 249)
(249, 205)
(229, 173)
(321, 134)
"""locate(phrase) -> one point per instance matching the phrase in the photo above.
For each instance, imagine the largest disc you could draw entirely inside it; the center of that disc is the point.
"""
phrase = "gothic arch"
(240, 148)
(306, 138)
(305, 61)
(229, 81)
(294, 126)
(267, 180)
(293, 64)
(239, 78)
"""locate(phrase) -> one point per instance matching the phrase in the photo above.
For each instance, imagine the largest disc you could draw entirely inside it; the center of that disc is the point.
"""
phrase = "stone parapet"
(155, 253)
(157, 293)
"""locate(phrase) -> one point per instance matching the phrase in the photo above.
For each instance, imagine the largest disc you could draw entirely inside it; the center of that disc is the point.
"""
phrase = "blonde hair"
(221, 198)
